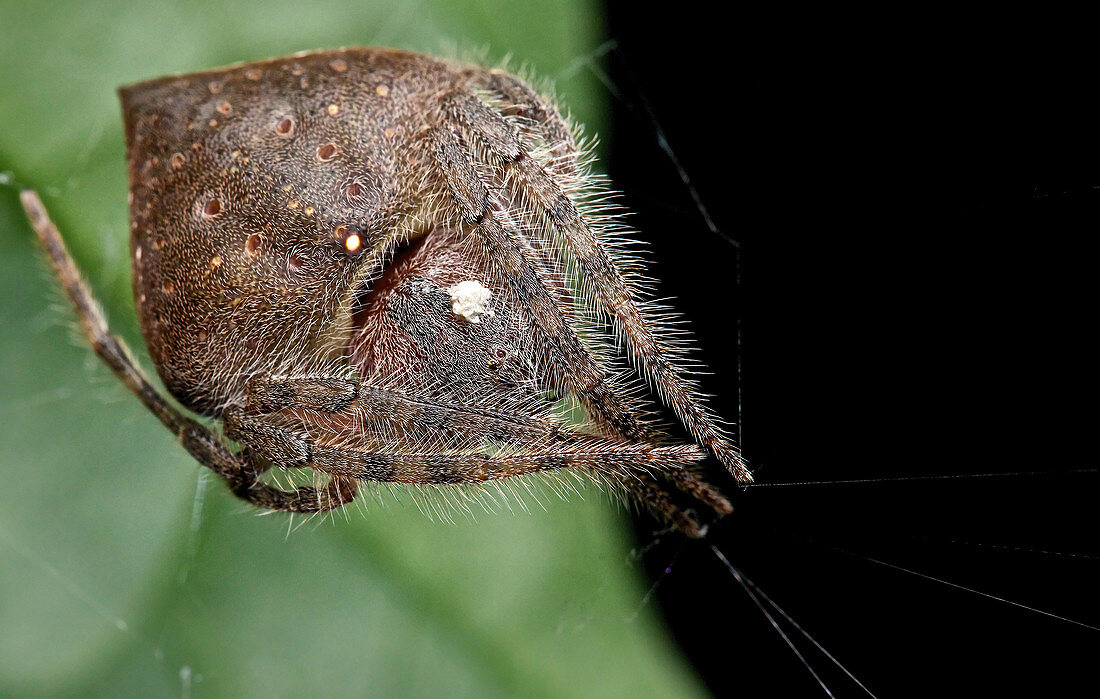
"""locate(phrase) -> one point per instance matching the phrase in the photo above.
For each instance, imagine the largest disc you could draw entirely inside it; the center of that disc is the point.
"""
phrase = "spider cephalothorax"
(380, 265)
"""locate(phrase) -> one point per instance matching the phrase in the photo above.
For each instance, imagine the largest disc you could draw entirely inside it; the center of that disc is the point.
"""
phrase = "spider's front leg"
(522, 195)
(502, 249)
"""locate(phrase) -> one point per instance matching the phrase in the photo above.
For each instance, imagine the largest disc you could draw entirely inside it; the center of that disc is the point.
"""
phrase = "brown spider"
(388, 267)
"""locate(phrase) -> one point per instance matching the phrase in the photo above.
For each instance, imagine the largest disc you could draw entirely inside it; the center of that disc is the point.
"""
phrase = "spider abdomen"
(243, 184)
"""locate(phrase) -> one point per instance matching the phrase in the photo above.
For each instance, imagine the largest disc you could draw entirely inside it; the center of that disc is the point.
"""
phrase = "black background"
(918, 209)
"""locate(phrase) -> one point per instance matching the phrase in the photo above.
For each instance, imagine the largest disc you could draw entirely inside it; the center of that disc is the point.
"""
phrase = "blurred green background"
(123, 569)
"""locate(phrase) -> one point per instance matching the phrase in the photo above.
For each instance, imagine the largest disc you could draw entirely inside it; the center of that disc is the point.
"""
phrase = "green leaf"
(126, 570)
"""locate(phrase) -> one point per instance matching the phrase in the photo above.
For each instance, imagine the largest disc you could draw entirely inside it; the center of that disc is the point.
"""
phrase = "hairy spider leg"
(538, 121)
(376, 434)
(656, 359)
(360, 448)
(501, 248)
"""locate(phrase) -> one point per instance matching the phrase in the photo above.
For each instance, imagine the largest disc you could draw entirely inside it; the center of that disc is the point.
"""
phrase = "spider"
(388, 267)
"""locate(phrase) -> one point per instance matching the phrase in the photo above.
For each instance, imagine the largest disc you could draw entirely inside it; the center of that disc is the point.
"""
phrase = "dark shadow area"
(918, 216)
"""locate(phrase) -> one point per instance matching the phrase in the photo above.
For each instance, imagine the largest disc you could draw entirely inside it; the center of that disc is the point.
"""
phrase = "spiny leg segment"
(472, 123)
(500, 246)
(472, 126)
(388, 435)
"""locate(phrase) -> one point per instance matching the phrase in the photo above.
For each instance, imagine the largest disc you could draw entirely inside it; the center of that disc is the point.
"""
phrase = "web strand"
(926, 576)
(934, 477)
(650, 115)
(1009, 548)
(756, 600)
(746, 583)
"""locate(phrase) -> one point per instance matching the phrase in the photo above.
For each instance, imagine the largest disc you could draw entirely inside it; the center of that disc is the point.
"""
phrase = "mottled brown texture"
(286, 173)
(296, 226)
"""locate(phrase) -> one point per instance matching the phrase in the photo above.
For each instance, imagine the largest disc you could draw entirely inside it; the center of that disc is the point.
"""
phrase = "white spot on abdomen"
(470, 300)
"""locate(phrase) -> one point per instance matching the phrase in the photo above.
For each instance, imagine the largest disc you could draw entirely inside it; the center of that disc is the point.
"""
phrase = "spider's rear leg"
(529, 182)
(200, 442)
